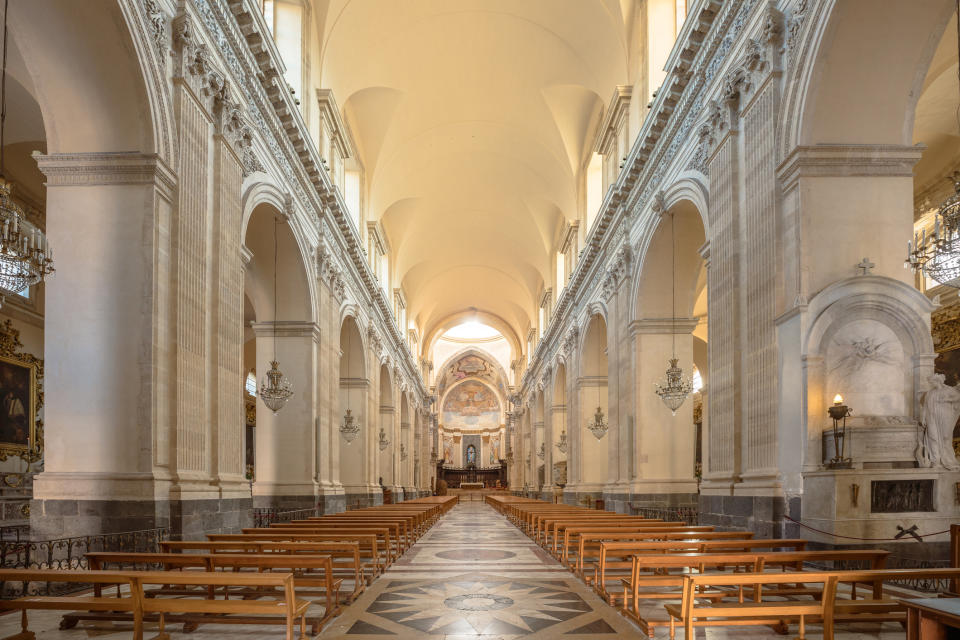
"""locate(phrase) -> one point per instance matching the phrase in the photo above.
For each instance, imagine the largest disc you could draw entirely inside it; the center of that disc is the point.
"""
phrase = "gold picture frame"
(21, 398)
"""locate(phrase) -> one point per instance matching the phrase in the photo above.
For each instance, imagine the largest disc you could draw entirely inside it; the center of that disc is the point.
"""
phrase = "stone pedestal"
(871, 503)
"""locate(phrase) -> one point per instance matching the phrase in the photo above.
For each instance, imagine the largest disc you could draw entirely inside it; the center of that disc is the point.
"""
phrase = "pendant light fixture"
(349, 428)
(562, 443)
(275, 388)
(674, 388)
(25, 255)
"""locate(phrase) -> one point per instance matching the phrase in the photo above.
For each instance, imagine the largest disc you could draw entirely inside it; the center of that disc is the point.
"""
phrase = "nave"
(472, 575)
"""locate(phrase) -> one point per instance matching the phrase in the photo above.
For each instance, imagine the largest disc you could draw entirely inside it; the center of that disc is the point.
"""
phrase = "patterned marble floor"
(473, 575)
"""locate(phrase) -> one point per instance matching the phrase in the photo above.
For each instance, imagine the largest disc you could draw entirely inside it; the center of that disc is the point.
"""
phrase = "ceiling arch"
(474, 122)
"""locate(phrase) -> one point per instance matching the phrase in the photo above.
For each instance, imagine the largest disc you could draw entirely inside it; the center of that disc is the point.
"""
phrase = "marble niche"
(868, 339)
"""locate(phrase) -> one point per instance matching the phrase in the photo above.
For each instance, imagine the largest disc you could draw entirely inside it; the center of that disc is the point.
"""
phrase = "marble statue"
(941, 407)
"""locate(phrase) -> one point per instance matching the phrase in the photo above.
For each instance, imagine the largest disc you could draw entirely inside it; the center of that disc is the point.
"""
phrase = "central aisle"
(475, 575)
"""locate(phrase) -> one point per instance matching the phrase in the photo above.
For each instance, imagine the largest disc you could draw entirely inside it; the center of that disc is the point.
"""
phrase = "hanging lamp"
(349, 428)
(275, 388)
(383, 441)
(674, 388)
(562, 442)
(25, 254)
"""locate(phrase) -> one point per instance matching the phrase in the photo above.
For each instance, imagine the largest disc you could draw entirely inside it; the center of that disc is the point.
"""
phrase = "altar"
(473, 477)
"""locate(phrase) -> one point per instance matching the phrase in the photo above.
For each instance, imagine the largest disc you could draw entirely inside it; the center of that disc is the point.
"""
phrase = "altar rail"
(264, 517)
(489, 476)
(687, 515)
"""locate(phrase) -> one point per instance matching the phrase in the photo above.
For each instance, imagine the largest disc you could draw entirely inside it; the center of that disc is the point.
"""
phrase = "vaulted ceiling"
(473, 120)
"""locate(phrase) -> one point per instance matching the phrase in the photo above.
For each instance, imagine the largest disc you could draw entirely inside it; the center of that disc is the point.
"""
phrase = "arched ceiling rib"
(473, 121)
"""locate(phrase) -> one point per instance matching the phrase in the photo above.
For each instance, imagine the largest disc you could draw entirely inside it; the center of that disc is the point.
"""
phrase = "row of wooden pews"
(675, 575)
(280, 574)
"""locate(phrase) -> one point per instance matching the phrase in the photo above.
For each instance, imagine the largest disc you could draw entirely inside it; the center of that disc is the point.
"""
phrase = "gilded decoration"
(945, 329)
(21, 398)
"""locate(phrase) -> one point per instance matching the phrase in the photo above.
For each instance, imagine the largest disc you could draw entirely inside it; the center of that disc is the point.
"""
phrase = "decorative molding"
(107, 168)
(843, 161)
(656, 326)
(614, 119)
(287, 329)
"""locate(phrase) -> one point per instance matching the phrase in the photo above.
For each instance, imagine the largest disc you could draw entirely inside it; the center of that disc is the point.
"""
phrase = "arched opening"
(671, 292)
(386, 436)
(592, 389)
(354, 384)
(276, 287)
(405, 453)
(540, 443)
(558, 420)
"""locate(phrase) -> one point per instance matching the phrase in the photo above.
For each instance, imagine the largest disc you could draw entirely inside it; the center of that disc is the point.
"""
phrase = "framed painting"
(21, 399)
(18, 405)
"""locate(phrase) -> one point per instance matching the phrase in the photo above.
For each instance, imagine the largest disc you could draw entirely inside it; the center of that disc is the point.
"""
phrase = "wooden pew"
(689, 613)
(344, 554)
(666, 585)
(135, 607)
(130, 602)
(739, 613)
(385, 538)
(591, 545)
(646, 561)
(373, 555)
(570, 547)
(285, 611)
(305, 567)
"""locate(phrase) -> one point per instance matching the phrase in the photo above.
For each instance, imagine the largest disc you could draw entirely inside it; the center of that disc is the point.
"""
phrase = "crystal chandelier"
(541, 452)
(938, 255)
(598, 426)
(275, 389)
(674, 388)
(25, 255)
(562, 443)
(384, 442)
(349, 428)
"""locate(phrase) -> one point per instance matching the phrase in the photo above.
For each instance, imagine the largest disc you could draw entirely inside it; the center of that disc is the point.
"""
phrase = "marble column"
(106, 465)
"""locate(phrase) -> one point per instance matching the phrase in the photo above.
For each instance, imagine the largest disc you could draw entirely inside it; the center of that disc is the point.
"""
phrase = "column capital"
(105, 168)
(287, 329)
(667, 326)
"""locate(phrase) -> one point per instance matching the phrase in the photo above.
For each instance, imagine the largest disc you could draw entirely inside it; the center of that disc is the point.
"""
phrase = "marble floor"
(473, 575)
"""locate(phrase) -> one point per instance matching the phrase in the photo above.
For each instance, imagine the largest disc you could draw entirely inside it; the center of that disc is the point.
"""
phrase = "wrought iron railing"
(687, 515)
(264, 517)
(68, 553)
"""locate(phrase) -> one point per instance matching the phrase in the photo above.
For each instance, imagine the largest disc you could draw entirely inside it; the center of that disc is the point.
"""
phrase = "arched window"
(250, 384)
(697, 380)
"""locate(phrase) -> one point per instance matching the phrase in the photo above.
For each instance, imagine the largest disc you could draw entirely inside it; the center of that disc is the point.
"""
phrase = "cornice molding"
(848, 160)
(92, 169)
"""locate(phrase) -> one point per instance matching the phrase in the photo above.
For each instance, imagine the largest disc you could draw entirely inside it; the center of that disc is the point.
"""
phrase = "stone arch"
(858, 71)
(294, 293)
(592, 391)
(652, 295)
(82, 58)
(353, 390)
(495, 321)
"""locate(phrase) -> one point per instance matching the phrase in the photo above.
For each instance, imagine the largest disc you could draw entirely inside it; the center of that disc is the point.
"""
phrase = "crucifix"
(865, 266)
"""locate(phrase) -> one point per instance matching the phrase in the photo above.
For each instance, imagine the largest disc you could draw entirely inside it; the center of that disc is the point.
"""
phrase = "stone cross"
(865, 266)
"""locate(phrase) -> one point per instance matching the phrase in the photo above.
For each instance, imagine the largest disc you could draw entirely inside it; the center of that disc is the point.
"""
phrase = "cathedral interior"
(480, 319)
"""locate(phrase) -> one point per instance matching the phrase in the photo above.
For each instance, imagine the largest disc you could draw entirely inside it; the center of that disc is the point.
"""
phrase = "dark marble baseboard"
(184, 519)
(764, 515)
